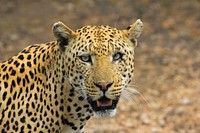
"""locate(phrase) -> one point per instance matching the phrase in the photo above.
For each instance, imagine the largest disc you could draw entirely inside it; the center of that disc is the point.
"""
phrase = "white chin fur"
(105, 113)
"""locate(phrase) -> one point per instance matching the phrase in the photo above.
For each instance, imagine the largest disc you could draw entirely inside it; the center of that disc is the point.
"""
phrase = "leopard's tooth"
(98, 103)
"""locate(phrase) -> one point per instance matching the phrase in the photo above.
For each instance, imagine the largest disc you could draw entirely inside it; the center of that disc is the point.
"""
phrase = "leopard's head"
(99, 62)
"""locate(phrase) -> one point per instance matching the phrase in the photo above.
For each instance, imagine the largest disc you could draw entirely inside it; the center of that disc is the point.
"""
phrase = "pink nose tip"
(103, 85)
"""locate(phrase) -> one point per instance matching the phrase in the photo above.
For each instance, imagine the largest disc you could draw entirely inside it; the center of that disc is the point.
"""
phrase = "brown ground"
(167, 58)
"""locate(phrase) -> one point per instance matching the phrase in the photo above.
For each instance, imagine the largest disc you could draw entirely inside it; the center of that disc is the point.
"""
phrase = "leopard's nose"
(103, 85)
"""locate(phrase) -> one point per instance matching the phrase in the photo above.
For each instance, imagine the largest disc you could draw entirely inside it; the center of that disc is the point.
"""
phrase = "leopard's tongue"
(104, 103)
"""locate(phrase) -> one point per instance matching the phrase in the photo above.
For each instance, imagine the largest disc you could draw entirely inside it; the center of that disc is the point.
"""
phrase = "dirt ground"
(167, 59)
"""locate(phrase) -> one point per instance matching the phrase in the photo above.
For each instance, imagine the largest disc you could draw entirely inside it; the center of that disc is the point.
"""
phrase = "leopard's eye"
(117, 56)
(85, 58)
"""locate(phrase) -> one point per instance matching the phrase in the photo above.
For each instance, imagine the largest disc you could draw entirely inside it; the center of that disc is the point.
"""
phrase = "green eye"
(85, 58)
(117, 56)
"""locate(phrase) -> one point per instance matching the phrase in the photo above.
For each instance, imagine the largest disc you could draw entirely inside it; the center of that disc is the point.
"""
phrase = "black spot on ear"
(63, 42)
(128, 27)
(133, 40)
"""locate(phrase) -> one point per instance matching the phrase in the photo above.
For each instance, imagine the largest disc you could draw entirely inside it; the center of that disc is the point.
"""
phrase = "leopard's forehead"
(100, 39)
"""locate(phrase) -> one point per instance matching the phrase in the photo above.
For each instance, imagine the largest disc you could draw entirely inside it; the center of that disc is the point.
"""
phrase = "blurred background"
(167, 58)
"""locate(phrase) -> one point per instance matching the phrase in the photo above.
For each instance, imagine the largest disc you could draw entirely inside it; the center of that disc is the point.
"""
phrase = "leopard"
(56, 87)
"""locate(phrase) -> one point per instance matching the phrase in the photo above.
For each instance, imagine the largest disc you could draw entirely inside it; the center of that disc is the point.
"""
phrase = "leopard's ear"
(134, 31)
(63, 34)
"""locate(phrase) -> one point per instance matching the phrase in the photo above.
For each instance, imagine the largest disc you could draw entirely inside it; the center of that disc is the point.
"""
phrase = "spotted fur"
(56, 87)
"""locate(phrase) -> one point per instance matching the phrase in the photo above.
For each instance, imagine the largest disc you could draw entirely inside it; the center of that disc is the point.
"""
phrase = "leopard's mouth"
(103, 104)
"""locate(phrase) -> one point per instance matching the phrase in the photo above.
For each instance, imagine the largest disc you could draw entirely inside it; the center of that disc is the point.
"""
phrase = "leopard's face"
(100, 64)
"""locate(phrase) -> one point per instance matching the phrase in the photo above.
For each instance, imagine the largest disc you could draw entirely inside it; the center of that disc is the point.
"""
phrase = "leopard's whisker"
(133, 93)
